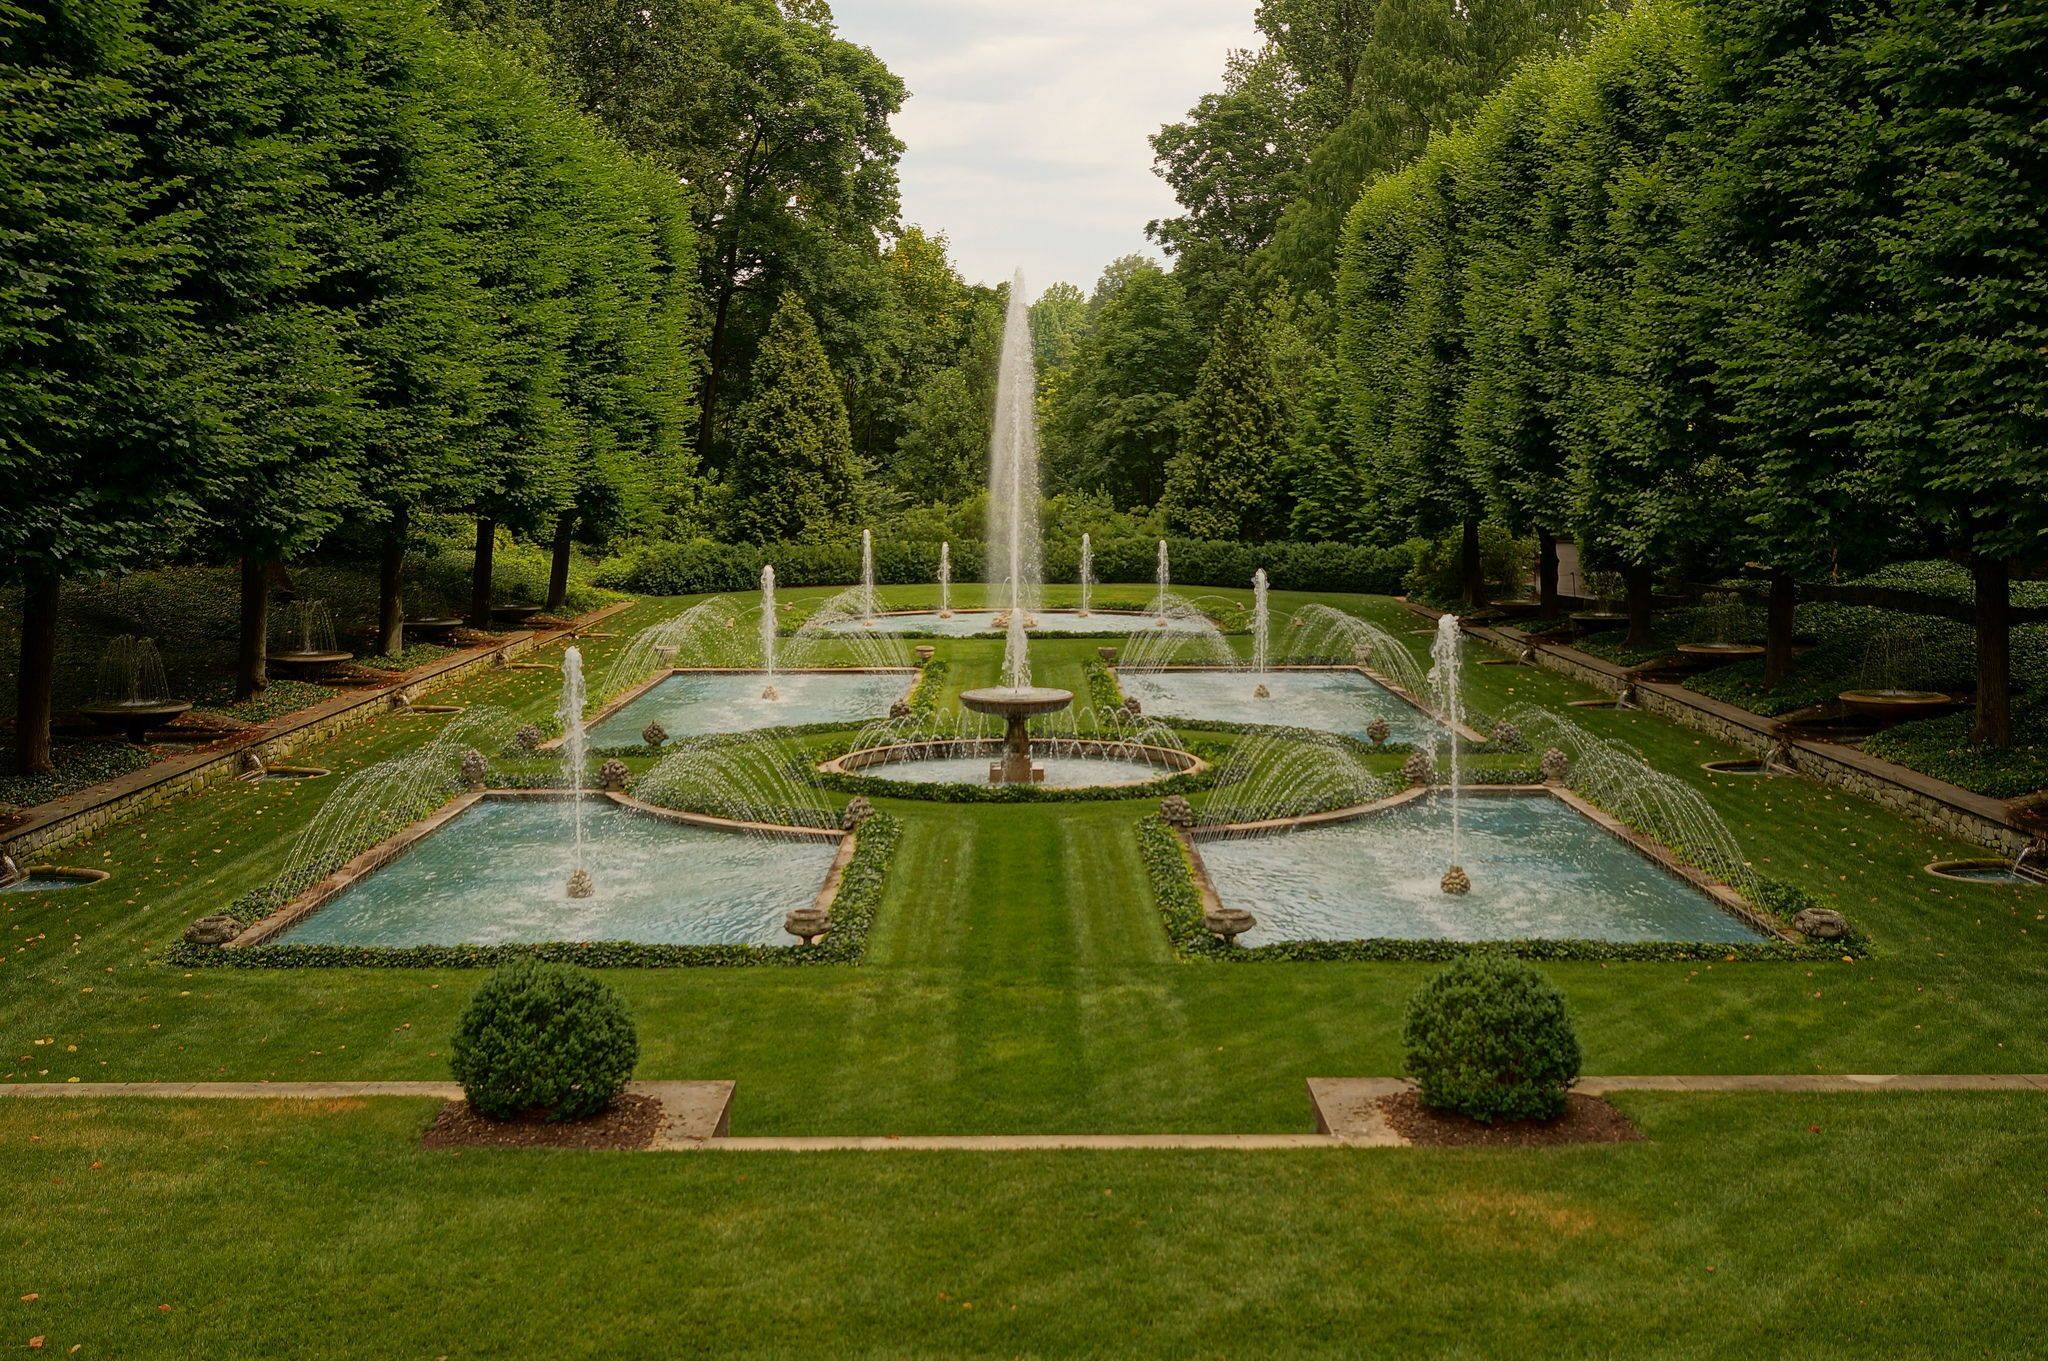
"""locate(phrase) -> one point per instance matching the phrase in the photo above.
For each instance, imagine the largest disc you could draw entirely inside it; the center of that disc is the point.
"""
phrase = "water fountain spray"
(1259, 618)
(768, 630)
(1444, 653)
(945, 581)
(867, 578)
(1014, 557)
(574, 745)
(1165, 580)
(1087, 573)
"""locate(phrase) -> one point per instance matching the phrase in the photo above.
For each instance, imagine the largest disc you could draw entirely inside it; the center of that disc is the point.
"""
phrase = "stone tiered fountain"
(134, 697)
(306, 647)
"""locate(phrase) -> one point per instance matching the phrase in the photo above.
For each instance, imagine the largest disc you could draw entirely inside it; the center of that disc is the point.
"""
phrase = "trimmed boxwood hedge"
(698, 568)
(1180, 911)
(853, 911)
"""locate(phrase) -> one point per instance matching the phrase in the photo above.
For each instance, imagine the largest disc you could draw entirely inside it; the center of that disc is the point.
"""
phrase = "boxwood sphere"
(544, 1037)
(1489, 1037)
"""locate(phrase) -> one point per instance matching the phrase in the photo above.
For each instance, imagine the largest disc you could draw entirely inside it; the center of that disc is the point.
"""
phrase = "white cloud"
(1027, 120)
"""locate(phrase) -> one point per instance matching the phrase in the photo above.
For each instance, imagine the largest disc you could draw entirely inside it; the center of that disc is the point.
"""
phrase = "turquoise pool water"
(1064, 772)
(495, 874)
(691, 704)
(1540, 871)
(42, 883)
(1328, 701)
(966, 622)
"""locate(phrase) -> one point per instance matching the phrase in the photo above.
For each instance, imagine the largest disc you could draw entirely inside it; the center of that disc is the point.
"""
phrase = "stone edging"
(390, 848)
(89, 810)
(1948, 808)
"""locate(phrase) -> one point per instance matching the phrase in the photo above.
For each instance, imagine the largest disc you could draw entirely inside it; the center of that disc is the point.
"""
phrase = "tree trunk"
(250, 673)
(558, 571)
(36, 675)
(1993, 579)
(391, 586)
(1641, 597)
(1546, 573)
(1778, 628)
(480, 573)
(714, 353)
(1471, 572)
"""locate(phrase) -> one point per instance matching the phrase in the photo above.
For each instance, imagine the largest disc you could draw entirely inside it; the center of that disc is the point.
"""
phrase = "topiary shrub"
(1489, 1037)
(544, 1037)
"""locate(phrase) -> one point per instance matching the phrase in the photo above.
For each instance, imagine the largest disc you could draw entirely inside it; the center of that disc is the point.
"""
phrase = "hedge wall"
(695, 568)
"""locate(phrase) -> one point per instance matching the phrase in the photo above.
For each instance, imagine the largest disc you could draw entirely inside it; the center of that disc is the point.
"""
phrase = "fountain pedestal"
(1016, 705)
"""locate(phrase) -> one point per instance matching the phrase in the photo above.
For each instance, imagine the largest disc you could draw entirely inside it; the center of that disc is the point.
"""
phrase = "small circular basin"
(1894, 706)
(514, 614)
(432, 628)
(1008, 700)
(1985, 871)
(308, 662)
(133, 720)
(1716, 653)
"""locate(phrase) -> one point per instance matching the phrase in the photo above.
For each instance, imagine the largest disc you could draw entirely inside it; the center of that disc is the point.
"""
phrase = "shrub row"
(860, 889)
(700, 567)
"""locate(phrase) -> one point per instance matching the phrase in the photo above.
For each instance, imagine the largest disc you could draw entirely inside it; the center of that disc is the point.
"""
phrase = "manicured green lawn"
(1893, 1225)
(1018, 979)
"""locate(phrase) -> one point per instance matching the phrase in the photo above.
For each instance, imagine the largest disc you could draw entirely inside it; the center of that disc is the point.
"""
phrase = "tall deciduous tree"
(95, 447)
(793, 473)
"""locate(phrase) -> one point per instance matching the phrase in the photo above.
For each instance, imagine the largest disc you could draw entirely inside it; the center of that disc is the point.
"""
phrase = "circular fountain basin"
(1027, 701)
(1985, 872)
(965, 623)
(309, 663)
(514, 614)
(433, 628)
(1737, 767)
(1068, 763)
(1590, 620)
(1895, 706)
(50, 878)
(134, 720)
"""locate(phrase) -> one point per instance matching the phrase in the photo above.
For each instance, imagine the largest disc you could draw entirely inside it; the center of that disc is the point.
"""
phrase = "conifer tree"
(793, 474)
(1224, 481)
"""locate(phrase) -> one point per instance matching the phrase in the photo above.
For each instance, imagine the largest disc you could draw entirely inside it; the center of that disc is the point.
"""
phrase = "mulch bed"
(1586, 1120)
(632, 1122)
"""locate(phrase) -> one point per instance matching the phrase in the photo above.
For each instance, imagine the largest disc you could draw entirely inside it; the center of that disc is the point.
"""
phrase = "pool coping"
(936, 748)
(1656, 852)
(669, 673)
(997, 633)
(1465, 731)
(310, 900)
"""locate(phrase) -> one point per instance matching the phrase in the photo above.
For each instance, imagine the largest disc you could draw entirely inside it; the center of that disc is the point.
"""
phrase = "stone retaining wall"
(84, 814)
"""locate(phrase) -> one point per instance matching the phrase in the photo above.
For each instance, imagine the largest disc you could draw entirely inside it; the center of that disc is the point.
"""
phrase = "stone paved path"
(1347, 1116)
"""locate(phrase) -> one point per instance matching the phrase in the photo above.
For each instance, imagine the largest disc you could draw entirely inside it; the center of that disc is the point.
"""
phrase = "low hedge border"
(1180, 912)
(853, 912)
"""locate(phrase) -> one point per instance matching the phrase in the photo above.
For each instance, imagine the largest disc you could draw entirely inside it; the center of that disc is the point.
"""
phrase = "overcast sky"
(1026, 123)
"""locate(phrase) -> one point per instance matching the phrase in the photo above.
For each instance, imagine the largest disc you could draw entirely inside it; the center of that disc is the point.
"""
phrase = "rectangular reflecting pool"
(496, 873)
(692, 703)
(1328, 701)
(1540, 871)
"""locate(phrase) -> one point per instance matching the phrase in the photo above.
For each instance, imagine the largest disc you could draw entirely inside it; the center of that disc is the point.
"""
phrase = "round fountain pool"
(49, 878)
(1985, 872)
(964, 623)
(1068, 763)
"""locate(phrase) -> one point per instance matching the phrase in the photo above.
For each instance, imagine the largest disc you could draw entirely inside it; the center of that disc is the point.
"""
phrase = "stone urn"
(654, 734)
(1555, 765)
(1506, 735)
(1132, 707)
(900, 709)
(1379, 731)
(475, 769)
(216, 928)
(808, 924)
(1418, 769)
(581, 885)
(1228, 923)
(1176, 811)
(1821, 923)
(856, 812)
(1261, 692)
(1456, 880)
(925, 652)
(1108, 655)
(613, 774)
(528, 737)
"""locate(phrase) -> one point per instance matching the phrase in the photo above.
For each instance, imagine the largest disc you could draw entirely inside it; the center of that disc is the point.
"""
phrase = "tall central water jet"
(1014, 566)
(1444, 654)
(1259, 628)
(573, 747)
(945, 581)
(1165, 580)
(867, 577)
(768, 630)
